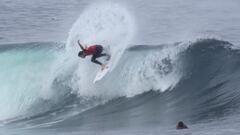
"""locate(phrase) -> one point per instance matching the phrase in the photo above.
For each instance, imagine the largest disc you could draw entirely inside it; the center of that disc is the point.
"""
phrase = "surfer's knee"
(93, 59)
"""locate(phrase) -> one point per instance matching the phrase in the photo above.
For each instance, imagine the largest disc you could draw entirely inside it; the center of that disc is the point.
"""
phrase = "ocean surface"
(171, 61)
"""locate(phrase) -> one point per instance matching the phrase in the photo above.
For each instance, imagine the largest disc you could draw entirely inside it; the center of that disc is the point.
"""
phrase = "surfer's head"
(81, 54)
(181, 125)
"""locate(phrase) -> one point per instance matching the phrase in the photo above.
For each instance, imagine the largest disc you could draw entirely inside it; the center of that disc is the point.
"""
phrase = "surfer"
(181, 125)
(95, 51)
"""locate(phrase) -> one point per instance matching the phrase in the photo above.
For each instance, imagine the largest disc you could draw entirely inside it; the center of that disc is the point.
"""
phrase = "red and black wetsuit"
(96, 51)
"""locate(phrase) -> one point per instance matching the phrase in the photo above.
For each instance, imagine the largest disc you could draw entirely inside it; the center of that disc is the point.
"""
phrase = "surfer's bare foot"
(103, 66)
(108, 57)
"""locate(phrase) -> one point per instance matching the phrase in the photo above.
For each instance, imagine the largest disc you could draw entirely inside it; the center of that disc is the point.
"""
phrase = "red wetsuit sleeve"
(90, 50)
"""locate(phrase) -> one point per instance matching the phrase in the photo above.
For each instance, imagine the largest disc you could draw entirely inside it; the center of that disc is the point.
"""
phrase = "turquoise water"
(23, 73)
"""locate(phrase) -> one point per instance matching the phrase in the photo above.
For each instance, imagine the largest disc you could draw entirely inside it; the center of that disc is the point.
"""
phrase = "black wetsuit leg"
(98, 54)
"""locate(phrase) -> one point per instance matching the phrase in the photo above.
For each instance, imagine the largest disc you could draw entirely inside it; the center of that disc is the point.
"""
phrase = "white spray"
(107, 24)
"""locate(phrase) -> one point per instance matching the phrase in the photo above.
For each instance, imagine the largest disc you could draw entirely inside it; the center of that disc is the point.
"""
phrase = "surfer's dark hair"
(181, 125)
(80, 53)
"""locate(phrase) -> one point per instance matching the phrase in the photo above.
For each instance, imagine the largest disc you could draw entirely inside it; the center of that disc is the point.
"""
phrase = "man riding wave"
(95, 51)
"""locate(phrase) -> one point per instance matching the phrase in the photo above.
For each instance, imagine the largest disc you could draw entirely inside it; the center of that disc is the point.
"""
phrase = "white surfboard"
(101, 73)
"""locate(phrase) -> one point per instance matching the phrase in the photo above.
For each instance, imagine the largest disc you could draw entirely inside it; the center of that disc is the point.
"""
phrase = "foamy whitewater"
(170, 61)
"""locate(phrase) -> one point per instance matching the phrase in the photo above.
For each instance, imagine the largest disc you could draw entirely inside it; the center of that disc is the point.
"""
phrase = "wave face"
(207, 89)
(151, 86)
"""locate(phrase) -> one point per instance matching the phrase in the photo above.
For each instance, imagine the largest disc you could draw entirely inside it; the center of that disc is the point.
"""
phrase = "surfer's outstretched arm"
(81, 46)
